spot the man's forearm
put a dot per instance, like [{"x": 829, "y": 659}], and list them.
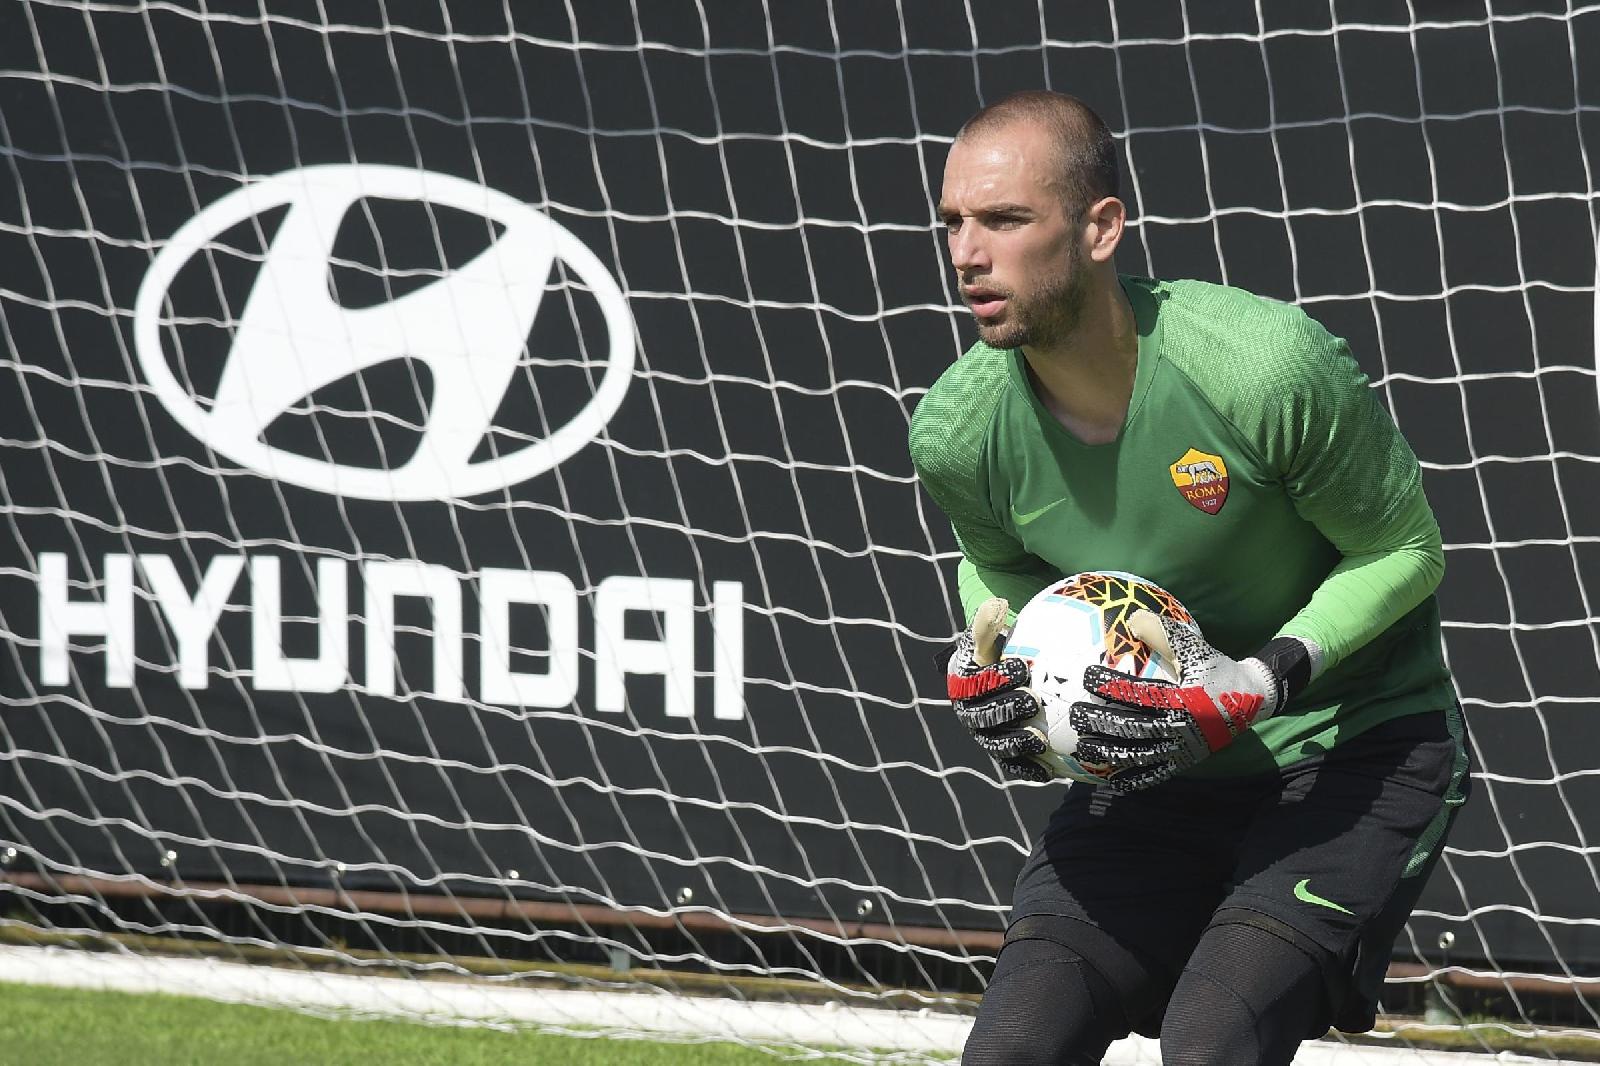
[
  {"x": 977, "y": 584},
  {"x": 1368, "y": 592}
]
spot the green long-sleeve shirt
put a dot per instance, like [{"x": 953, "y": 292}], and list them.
[{"x": 1256, "y": 478}]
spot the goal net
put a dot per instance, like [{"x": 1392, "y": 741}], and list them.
[{"x": 457, "y": 517}]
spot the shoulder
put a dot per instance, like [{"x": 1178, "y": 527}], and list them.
[
  {"x": 951, "y": 421},
  {"x": 1263, "y": 366},
  {"x": 1274, "y": 374},
  {"x": 1233, "y": 343}
]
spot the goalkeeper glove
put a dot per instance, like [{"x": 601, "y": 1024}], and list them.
[
  {"x": 1151, "y": 729},
  {"x": 990, "y": 695}
]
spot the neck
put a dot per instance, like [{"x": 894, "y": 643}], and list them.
[{"x": 1086, "y": 378}]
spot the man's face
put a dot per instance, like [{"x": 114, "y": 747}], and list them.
[{"x": 1016, "y": 251}]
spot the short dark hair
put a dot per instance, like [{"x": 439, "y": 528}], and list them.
[{"x": 1086, "y": 153}]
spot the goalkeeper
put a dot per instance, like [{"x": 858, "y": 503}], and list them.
[{"x": 1237, "y": 885}]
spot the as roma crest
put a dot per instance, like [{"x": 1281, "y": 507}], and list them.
[{"x": 1202, "y": 478}]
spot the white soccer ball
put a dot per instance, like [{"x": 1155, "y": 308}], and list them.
[{"x": 1073, "y": 623}]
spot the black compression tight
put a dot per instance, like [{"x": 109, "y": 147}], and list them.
[
  {"x": 1045, "y": 1006},
  {"x": 1246, "y": 997}
]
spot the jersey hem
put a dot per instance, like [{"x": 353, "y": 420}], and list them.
[{"x": 1272, "y": 760}]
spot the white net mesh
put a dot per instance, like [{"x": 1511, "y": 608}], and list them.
[{"x": 455, "y": 463}]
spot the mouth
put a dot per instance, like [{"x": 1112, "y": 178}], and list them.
[{"x": 985, "y": 303}]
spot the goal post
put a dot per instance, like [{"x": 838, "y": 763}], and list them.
[{"x": 458, "y": 518}]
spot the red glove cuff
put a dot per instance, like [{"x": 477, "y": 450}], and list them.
[
  {"x": 1007, "y": 673},
  {"x": 1216, "y": 727}
]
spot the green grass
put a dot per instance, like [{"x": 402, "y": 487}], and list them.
[{"x": 70, "y": 1027}]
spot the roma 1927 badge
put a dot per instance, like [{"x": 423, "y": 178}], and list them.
[{"x": 1202, "y": 478}]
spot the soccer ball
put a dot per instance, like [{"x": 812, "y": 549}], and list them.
[{"x": 1073, "y": 623}]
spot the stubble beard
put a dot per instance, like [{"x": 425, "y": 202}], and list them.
[{"x": 1044, "y": 315}]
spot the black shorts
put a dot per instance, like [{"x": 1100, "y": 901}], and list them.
[{"x": 1330, "y": 852}]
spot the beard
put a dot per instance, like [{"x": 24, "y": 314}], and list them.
[{"x": 1044, "y": 314}]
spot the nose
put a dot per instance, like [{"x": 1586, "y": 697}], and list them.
[{"x": 966, "y": 248}]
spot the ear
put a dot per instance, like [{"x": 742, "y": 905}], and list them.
[{"x": 1105, "y": 220}]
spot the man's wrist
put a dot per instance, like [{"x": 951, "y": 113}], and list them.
[{"x": 1292, "y": 662}]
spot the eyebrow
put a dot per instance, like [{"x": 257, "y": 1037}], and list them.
[{"x": 1005, "y": 208}]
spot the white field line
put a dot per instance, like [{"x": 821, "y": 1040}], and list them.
[
  {"x": 624, "y": 1013},
  {"x": 637, "y": 1013}
]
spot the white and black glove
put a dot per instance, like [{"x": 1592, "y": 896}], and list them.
[
  {"x": 1150, "y": 729},
  {"x": 991, "y": 697}
]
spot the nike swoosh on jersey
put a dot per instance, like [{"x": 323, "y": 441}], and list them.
[
  {"x": 1305, "y": 895},
  {"x": 1022, "y": 518}
]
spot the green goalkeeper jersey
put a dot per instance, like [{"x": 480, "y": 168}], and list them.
[{"x": 1256, "y": 478}]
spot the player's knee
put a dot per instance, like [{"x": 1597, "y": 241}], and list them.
[
  {"x": 1016, "y": 1041},
  {"x": 1206, "y": 1024},
  {"x": 1041, "y": 1008},
  {"x": 1248, "y": 996}
]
